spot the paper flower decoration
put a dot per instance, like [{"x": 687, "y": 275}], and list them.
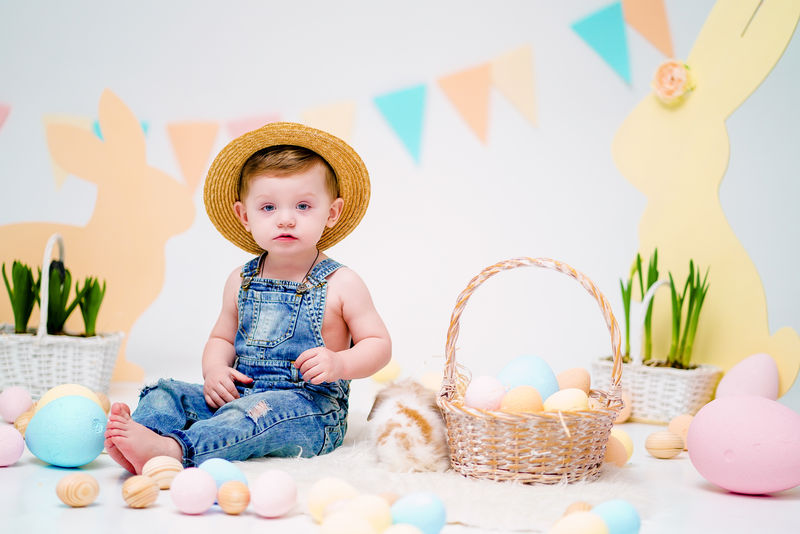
[{"x": 672, "y": 82}]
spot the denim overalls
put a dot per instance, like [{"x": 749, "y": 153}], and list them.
[{"x": 278, "y": 414}]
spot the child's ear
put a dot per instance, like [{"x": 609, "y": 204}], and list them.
[
  {"x": 335, "y": 212},
  {"x": 241, "y": 213}
]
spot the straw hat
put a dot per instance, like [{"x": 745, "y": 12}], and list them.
[{"x": 222, "y": 183}]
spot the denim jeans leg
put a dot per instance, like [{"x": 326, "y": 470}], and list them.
[{"x": 171, "y": 405}]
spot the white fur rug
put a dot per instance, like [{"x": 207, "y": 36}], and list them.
[{"x": 487, "y": 505}]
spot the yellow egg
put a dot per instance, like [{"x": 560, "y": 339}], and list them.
[
  {"x": 625, "y": 439},
  {"x": 567, "y": 400},
  {"x": 343, "y": 523},
  {"x": 233, "y": 497},
  {"x": 624, "y": 412},
  {"x": 140, "y": 491},
  {"x": 66, "y": 390},
  {"x": 104, "y": 402},
  {"x": 162, "y": 469},
  {"x": 580, "y": 523},
  {"x": 372, "y": 508},
  {"x": 616, "y": 453},
  {"x": 578, "y": 506},
  {"x": 21, "y": 422},
  {"x": 524, "y": 399},
  {"x": 679, "y": 425},
  {"x": 326, "y": 491},
  {"x": 77, "y": 490},
  {"x": 577, "y": 378},
  {"x": 390, "y": 371},
  {"x": 664, "y": 444}
]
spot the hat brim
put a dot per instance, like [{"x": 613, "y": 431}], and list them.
[{"x": 221, "y": 188}]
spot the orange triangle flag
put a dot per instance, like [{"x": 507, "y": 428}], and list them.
[
  {"x": 468, "y": 90},
  {"x": 649, "y": 17},
  {"x": 336, "y": 118},
  {"x": 192, "y": 143},
  {"x": 512, "y": 75}
]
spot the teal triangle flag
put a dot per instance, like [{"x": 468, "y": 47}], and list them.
[
  {"x": 99, "y": 133},
  {"x": 404, "y": 110},
  {"x": 604, "y": 31}
]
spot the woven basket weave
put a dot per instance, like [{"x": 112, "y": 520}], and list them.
[
  {"x": 39, "y": 362},
  {"x": 546, "y": 447}
]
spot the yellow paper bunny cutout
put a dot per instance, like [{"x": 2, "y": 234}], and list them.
[{"x": 677, "y": 156}]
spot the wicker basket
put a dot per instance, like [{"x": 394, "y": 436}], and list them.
[
  {"x": 658, "y": 394},
  {"x": 546, "y": 447},
  {"x": 41, "y": 361}
]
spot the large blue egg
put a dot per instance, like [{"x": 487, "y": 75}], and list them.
[
  {"x": 423, "y": 510},
  {"x": 222, "y": 471},
  {"x": 529, "y": 371},
  {"x": 620, "y": 516},
  {"x": 67, "y": 432}
]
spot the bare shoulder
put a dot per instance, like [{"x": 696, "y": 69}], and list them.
[{"x": 346, "y": 281}]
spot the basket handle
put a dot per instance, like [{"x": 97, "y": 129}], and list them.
[
  {"x": 449, "y": 382},
  {"x": 44, "y": 293}
]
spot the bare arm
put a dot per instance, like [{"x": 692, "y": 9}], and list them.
[
  {"x": 372, "y": 348},
  {"x": 219, "y": 354}
]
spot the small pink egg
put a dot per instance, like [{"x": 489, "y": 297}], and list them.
[
  {"x": 193, "y": 491},
  {"x": 14, "y": 401},
  {"x": 484, "y": 393},
  {"x": 273, "y": 493},
  {"x": 11, "y": 445}
]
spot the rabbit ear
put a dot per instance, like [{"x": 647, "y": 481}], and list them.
[
  {"x": 77, "y": 150},
  {"x": 739, "y": 44},
  {"x": 122, "y": 132}
]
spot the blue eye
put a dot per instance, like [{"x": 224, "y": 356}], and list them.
[
  {"x": 303, "y": 206},
  {"x": 268, "y": 207}
]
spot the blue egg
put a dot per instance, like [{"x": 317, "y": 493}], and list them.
[
  {"x": 423, "y": 510},
  {"x": 67, "y": 431},
  {"x": 529, "y": 371},
  {"x": 620, "y": 516},
  {"x": 222, "y": 471}
]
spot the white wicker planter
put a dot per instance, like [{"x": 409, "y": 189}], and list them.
[
  {"x": 40, "y": 361},
  {"x": 658, "y": 394}
]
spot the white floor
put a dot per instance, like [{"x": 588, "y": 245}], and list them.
[{"x": 677, "y": 498}]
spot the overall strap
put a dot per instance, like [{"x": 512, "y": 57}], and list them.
[
  {"x": 322, "y": 270},
  {"x": 250, "y": 269}
]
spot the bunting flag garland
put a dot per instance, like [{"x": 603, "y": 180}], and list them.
[
  {"x": 468, "y": 90},
  {"x": 59, "y": 174},
  {"x": 604, "y": 31},
  {"x": 99, "y": 133},
  {"x": 4, "y": 111},
  {"x": 192, "y": 143},
  {"x": 649, "y": 18},
  {"x": 241, "y": 126},
  {"x": 512, "y": 75},
  {"x": 404, "y": 111},
  {"x": 337, "y": 118}
]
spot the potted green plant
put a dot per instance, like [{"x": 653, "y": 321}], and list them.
[{"x": 23, "y": 292}]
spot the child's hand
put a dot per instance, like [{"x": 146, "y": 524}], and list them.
[
  {"x": 319, "y": 365},
  {"x": 219, "y": 387}
]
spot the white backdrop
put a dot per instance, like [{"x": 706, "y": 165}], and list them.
[{"x": 550, "y": 190}]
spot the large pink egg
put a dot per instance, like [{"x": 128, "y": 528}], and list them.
[
  {"x": 193, "y": 491},
  {"x": 12, "y": 445},
  {"x": 273, "y": 493},
  {"x": 14, "y": 401},
  {"x": 746, "y": 444},
  {"x": 485, "y": 393},
  {"x": 755, "y": 375}
]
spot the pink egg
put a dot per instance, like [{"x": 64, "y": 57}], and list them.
[
  {"x": 484, "y": 393},
  {"x": 11, "y": 445},
  {"x": 746, "y": 444},
  {"x": 14, "y": 401},
  {"x": 273, "y": 493},
  {"x": 755, "y": 375},
  {"x": 193, "y": 491}
]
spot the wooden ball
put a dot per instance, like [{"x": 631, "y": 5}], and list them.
[
  {"x": 78, "y": 490},
  {"x": 680, "y": 426},
  {"x": 162, "y": 469},
  {"x": 233, "y": 497},
  {"x": 578, "y": 506},
  {"x": 664, "y": 444},
  {"x": 21, "y": 422},
  {"x": 105, "y": 404},
  {"x": 140, "y": 491}
]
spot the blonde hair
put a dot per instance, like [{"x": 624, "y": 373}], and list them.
[{"x": 285, "y": 160}]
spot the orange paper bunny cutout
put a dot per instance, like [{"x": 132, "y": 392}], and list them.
[
  {"x": 138, "y": 208},
  {"x": 677, "y": 156}
]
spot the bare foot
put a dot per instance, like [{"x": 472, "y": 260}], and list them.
[{"x": 133, "y": 444}]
